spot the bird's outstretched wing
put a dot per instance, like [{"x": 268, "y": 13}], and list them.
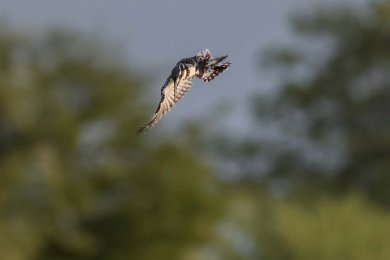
[
  {"x": 214, "y": 67},
  {"x": 215, "y": 71},
  {"x": 170, "y": 95}
]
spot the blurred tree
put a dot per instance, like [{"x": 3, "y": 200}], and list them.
[
  {"x": 258, "y": 225},
  {"x": 343, "y": 228},
  {"x": 329, "y": 123},
  {"x": 76, "y": 182},
  {"x": 324, "y": 133}
]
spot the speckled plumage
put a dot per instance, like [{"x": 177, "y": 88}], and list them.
[{"x": 202, "y": 66}]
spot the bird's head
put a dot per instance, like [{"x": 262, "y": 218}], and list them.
[{"x": 203, "y": 55}]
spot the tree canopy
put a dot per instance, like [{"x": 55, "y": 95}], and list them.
[{"x": 331, "y": 110}]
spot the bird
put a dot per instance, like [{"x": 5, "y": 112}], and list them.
[{"x": 203, "y": 66}]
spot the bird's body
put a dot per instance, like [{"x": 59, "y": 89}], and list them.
[{"x": 202, "y": 66}]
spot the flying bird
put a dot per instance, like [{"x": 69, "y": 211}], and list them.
[{"x": 202, "y": 66}]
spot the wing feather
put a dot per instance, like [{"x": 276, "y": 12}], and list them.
[
  {"x": 214, "y": 68},
  {"x": 170, "y": 95},
  {"x": 214, "y": 71}
]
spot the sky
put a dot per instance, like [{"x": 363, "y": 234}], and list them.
[{"x": 154, "y": 35}]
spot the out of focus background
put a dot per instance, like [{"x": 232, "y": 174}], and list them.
[{"x": 286, "y": 155}]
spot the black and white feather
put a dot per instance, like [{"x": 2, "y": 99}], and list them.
[{"x": 202, "y": 66}]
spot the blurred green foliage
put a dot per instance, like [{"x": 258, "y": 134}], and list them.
[
  {"x": 331, "y": 110},
  {"x": 346, "y": 228},
  {"x": 77, "y": 182},
  {"x": 258, "y": 225},
  {"x": 314, "y": 179}
]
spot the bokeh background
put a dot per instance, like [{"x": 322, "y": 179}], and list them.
[{"x": 284, "y": 156}]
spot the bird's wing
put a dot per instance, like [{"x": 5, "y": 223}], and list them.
[
  {"x": 214, "y": 68},
  {"x": 170, "y": 95}
]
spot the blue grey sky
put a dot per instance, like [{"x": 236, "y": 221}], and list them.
[{"x": 156, "y": 34}]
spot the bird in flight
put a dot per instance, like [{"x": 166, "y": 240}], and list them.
[{"x": 202, "y": 65}]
